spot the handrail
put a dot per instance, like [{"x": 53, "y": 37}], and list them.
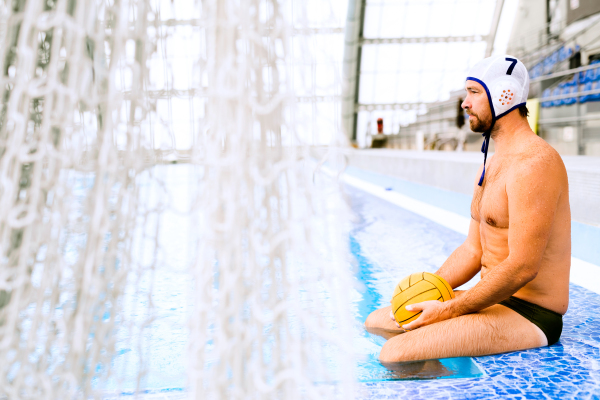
[
  {"x": 548, "y": 121},
  {"x": 563, "y": 73},
  {"x": 555, "y": 46},
  {"x": 543, "y": 30},
  {"x": 570, "y": 95}
]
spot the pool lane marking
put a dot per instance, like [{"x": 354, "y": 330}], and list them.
[
  {"x": 445, "y": 218},
  {"x": 583, "y": 273}
]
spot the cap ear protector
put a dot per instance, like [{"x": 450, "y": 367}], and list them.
[
  {"x": 507, "y": 89},
  {"x": 506, "y": 93}
]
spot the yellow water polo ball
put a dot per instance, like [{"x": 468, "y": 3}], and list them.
[{"x": 415, "y": 288}]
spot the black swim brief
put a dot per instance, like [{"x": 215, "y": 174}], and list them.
[{"x": 548, "y": 321}]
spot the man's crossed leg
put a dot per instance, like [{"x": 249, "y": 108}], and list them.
[{"x": 496, "y": 329}]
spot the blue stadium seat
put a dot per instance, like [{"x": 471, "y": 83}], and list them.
[
  {"x": 595, "y": 86},
  {"x": 574, "y": 80},
  {"x": 596, "y": 71},
  {"x": 591, "y": 74},
  {"x": 546, "y": 103},
  {"x": 548, "y": 65},
  {"x": 569, "y": 88},
  {"x": 569, "y": 52},
  {"x": 563, "y": 53},
  {"x": 587, "y": 76},
  {"x": 586, "y": 87},
  {"x": 540, "y": 69},
  {"x": 557, "y": 92},
  {"x": 536, "y": 71}
]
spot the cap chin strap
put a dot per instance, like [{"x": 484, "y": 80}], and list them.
[
  {"x": 486, "y": 135},
  {"x": 484, "y": 149}
]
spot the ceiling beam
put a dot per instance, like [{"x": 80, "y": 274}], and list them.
[
  {"x": 388, "y": 106},
  {"x": 434, "y": 39},
  {"x": 351, "y": 66},
  {"x": 200, "y": 22},
  {"x": 491, "y": 37}
]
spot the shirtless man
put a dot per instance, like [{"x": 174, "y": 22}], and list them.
[{"x": 519, "y": 238}]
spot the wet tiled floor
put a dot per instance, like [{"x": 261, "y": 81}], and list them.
[{"x": 569, "y": 369}]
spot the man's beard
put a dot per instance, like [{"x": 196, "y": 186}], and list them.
[{"x": 479, "y": 124}]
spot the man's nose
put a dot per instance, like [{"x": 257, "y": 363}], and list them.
[{"x": 465, "y": 105}]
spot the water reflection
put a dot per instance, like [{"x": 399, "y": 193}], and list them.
[{"x": 417, "y": 370}]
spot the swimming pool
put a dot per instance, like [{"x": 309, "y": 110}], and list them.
[
  {"x": 424, "y": 246},
  {"x": 389, "y": 242}
]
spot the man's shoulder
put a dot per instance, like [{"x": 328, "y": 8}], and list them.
[
  {"x": 539, "y": 161},
  {"x": 535, "y": 152}
]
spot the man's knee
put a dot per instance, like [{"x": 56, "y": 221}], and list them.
[
  {"x": 387, "y": 354},
  {"x": 371, "y": 321},
  {"x": 393, "y": 351},
  {"x": 377, "y": 319}
]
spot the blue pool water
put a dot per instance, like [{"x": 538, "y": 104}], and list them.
[{"x": 387, "y": 243}]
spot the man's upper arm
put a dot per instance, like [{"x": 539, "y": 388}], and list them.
[
  {"x": 533, "y": 190},
  {"x": 473, "y": 241}
]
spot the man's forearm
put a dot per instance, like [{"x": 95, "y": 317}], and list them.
[
  {"x": 462, "y": 265},
  {"x": 498, "y": 284}
]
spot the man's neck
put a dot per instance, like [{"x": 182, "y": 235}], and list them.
[{"x": 509, "y": 132}]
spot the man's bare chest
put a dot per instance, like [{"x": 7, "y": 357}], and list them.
[{"x": 490, "y": 202}]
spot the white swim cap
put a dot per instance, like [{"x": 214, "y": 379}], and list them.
[{"x": 506, "y": 82}]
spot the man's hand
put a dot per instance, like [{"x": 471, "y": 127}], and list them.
[
  {"x": 432, "y": 311},
  {"x": 396, "y": 322}
]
